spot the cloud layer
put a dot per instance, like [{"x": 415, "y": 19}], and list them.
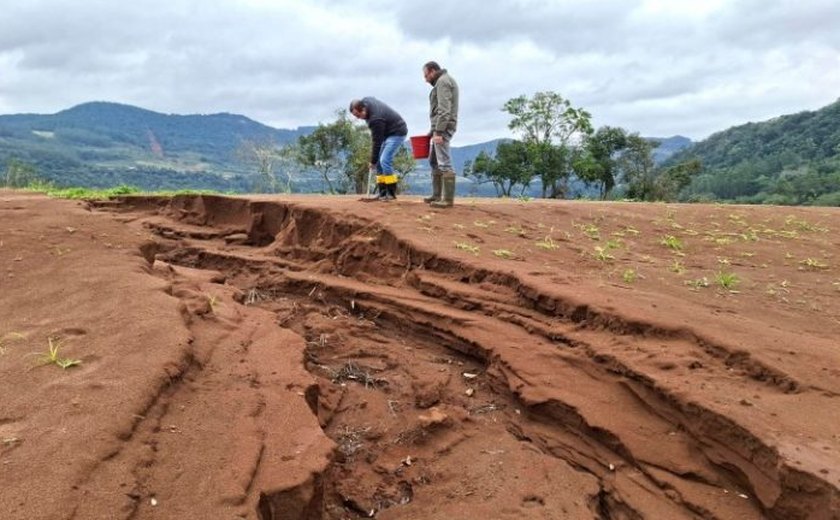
[{"x": 659, "y": 67}]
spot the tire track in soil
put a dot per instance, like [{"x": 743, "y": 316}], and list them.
[{"x": 454, "y": 392}]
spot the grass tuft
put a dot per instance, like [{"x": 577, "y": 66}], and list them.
[
  {"x": 52, "y": 357},
  {"x": 672, "y": 242},
  {"x": 727, "y": 280}
]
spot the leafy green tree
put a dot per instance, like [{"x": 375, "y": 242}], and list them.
[
  {"x": 512, "y": 166},
  {"x": 675, "y": 178},
  {"x": 547, "y": 122},
  {"x": 333, "y": 151},
  {"x": 598, "y": 161},
  {"x": 636, "y": 163},
  {"x": 827, "y": 199}
]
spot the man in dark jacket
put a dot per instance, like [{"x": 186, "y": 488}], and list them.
[
  {"x": 443, "y": 114},
  {"x": 387, "y": 133}
]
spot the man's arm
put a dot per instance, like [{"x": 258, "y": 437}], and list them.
[
  {"x": 444, "y": 108},
  {"x": 377, "y": 136}
]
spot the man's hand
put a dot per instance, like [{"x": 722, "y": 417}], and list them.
[{"x": 437, "y": 139}]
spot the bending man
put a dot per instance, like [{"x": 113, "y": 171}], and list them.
[{"x": 387, "y": 133}]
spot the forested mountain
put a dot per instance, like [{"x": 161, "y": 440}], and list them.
[
  {"x": 791, "y": 159},
  {"x": 103, "y": 144}
]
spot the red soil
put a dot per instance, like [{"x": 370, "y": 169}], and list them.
[{"x": 315, "y": 357}]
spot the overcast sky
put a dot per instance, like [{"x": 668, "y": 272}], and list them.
[{"x": 658, "y": 67}]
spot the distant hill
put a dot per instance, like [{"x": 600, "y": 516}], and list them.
[
  {"x": 791, "y": 159},
  {"x": 100, "y": 144},
  {"x": 668, "y": 146}
]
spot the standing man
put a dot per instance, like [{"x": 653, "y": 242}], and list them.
[
  {"x": 387, "y": 133},
  {"x": 443, "y": 113}
]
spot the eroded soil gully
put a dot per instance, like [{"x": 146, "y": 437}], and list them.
[{"x": 452, "y": 390}]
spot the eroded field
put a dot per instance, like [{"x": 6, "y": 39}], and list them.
[{"x": 315, "y": 357}]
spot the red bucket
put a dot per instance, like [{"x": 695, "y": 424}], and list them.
[{"x": 420, "y": 146}]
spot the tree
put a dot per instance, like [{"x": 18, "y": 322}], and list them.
[
  {"x": 675, "y": 178},
  {"x": 512, "y": 166},
  {"x": 357, "y": 167},
  {"x": 264, "y": 156},
  {"x": 329, "y": 150},
  {"x": 404, "y": 165},
  {"x": 637, "y": 165},
  {"x": 597, "y": 162},
  {"x": 20, "y": 174},
  {"x": 547, "y": 122}
]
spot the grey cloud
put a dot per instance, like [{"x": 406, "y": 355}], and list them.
[
  {"x": 763, "y": 25},
  {"x": 646, "y": 67},
  {"x": 563, "y": 26}
]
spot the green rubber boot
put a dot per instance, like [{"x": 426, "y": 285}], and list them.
[
  {"x": 436, "y": 187},
  {"x": 448, "y": 191}
]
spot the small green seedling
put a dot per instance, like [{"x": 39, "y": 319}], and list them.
[
  {"x": 214, "y": 302},
  {"x": 614, "y": 243},
  {"x": 672, "y": 242},
  {"x": 629, "y": 275},
  {"x": 726, "y": 280},
  {"x": 504, "y": 253},
  {"x": 602, "y": 254},
  {"x": 52, "y": 357},
  {"x": 592, "y": 231}
]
